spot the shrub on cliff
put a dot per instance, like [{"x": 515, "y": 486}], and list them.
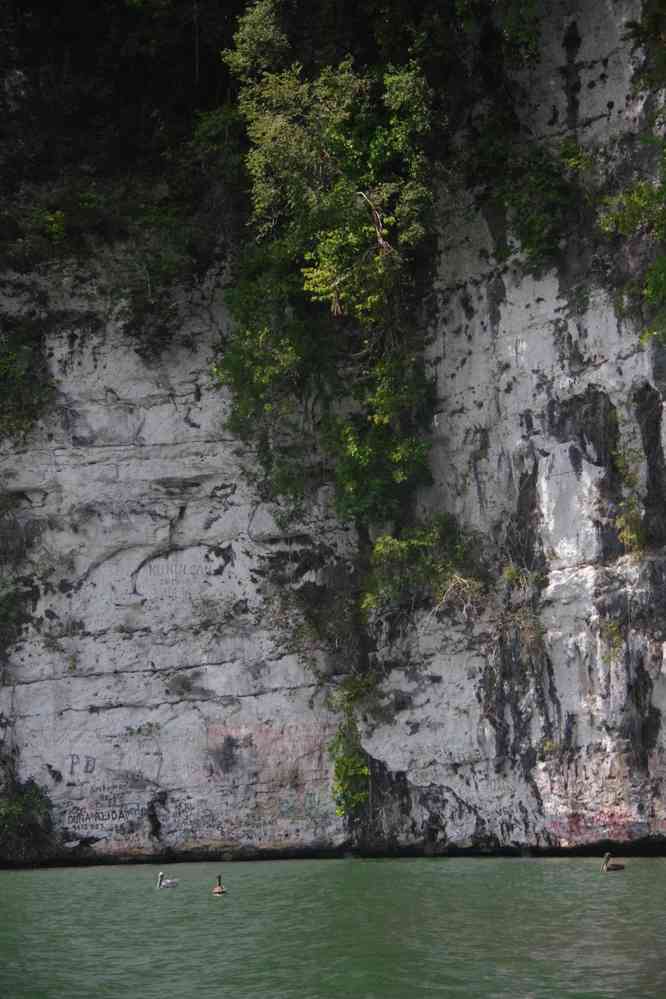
[
  {"x": 323, "y": 297},
  {"x": 26, "y": 827}
]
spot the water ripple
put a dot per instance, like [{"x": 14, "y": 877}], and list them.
[{"x": 390, "y": 929}]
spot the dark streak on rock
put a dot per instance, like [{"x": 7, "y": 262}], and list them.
[
  {"x": 642, "y": 721},
  {"x": 571, "y": 44},
  {"x": 226, "y": 757},
  {"x": 648, "y": 403},
  {"x": 159, "y": 799}
]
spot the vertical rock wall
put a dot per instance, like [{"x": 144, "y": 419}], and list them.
[
  {"x": 160, "y": 678},
  {"x": 156, "y": 689},
  {"x": 538, "y": 720}
]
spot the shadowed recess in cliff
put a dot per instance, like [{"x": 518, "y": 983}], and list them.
[
  {"x": 588, "y": 420},
  {"x": 520, "y": 665},
  {"x": 648, "y": 405},
  {"x": 642, "y": 722}
]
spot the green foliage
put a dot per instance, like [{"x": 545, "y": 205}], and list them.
[
  {"x": 523, "y": 623},
  {"x": 51, "y": 225},
  {"x": 351, "y": 773},
  {"x": 655, "y": 286},
  {"x": 519, "y": 23},
  {"x": 517, "y": 20},
  {"x": 338, "y": 178},
  {"x": 11, "y": 616},
  {"x": 641, "y": 209},
  {"x": 124, "y": 142},
  {"x": 142, "y": 232},
  {"x": 521, "y": 579},
  {"x": 145, "y": 729},
  {"x": 649, "y": 34},
  {"x": 515, "y": 575},
  {"x": 142, "y": 269},
  {"x": 379, "y": 457},
  {"x": 25, "y": 820},
  {"x": 259, "y": 43},
  {"x": 538, "y": 188},
  {"x": 340, "y": 201},
  {"x": 37, "y": 231},
  {"x": 156, "y": 7},
  {"x": 548, "y": 747},
  {"x": 215, "y": 149},
  {"x": 578, "y": 161},
  {"x": 538, "y": 195},
  {"x": 631, "y": 530},
  {"x": 110, "y": 86},
  {"x": 438, "y": 562},
  {"x": 627, "y": 463},
  {"x": 113, "y": 145},
  {"x": 27, "y": 806},
  {"x": 25, "y": 386},
  {"x": 610, "y": 633},
  {"x": 654, "y": 295},
  {"x": 16, "y": 598},
  {"x": 63, "y": 218}
]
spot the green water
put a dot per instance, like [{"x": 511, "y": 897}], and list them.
[{"x": 377, "y": 929}]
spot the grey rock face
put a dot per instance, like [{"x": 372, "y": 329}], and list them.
[
  {"x": 162, "y": 683},
  {"x": 541, "y": 725},
  {"x": 155, "y": 691}
]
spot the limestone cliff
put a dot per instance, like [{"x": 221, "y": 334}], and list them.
[{"x": 161, "y": 677}]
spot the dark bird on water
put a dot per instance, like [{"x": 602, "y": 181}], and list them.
[{"x": 610, "y": 865}]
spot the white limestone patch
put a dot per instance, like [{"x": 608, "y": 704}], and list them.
[
  {"x": 567, "y": 500},
  {"x": 583, "y": 80}
]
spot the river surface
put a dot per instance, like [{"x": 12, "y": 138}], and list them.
[{"x": 337, "y": 929}]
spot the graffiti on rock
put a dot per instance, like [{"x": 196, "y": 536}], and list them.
[{"x": 89, "y": 763}]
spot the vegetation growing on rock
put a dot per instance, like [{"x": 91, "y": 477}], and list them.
[
  {"x": 331, "y": 139},
  {"x": 25, "y": 384},
  {"x": 638, "y": 209},
  {"x": 438, "y": 562},
  {"x": 351, "y": 770},
  {"x": 349, "y": 138},
  {"x": 25, "y": 817}
]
